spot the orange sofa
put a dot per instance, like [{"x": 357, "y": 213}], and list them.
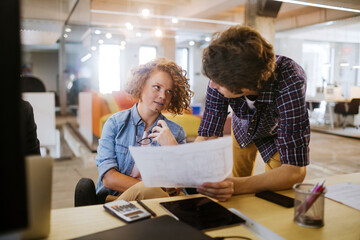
[{"x": 104, "y": 105}]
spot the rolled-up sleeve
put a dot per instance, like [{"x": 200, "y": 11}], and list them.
[
  {"x": 106, "y": 157},
  {"x": 214, "y": 117},
  {"x": 294, "y": 129}
]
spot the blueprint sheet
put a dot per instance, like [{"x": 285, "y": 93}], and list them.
[{"x": 185, "y": 165}]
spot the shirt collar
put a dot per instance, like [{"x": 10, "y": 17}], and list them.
[
  {"x": 267, "y": 94},
  {"x": 135, "y": 115}
]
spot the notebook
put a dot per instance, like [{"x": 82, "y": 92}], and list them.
[
  {"x": 202, "y": 213},
  {"x": 159, "y": 228}
]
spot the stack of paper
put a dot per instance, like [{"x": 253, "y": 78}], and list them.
[
  {"x": 185, "y": 165},
  {"x": 347, "y": 193}
]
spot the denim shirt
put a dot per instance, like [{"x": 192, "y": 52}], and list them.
[{"x": 121, "y": 131}]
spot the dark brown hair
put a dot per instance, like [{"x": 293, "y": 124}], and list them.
[
  {"x": 181, "y": 97},
  {"x": 239, "y": 58}
]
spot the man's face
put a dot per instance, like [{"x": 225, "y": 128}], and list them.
[{"x": 229, "y": 94}]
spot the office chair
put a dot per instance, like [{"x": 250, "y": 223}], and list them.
[
  {"x": 31, "y": 84},
  {"x": 348, "y": 109},
  {"x": 85, "y": 193}
]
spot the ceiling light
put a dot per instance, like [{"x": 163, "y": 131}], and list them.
[
  {"x": 129, "y": 26},
  {"x": 320, "y": 5},
  {"x": 191, "y": 43},
  {"x": 101, "y": 41},
  {"x": 145, "y": 12},
  {"x": 208, "y": 39},
  {"x": 93, "y": 48},
  {"x": 174, "y": 20},
  {"x": 344, "y": 64},
  {"x": 138, "y": 34},
  {"x": 122, "y": 43},
  {"x": 68, "y": 29},
  {"x": 66, "y": 36},
  {"x": 356, "y": 66},
  {"x": 158, "y": 33},
  {"x": 97, "y": 32},
  {"x": 86, "y": 57},
  {"x": 108, "y": 35}
]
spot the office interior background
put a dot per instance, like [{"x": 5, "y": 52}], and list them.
[{"x": 76, "y": 54}]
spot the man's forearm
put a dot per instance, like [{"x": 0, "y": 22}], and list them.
[
  {"x": 201, "y": 138},
  {"x": 280, "y": 178}
]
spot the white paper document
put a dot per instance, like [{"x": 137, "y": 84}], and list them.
[
  {"x": 185, "y": 165},
  {"x": 346, "y": 193}
]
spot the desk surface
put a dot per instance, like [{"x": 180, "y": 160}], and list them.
[{"x": 341, "y": 221}]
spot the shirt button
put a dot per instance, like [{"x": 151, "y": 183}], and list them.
[
  {"x": 250, "y": 128},
  {"x": 252, "y": 120},
  {"x": 242, "y": 145},
  {"x": 249, "y": 134}
]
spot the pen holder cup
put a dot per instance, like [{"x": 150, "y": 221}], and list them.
[{"x": 309, "y": 207}]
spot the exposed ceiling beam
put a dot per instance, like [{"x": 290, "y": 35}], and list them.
[{"x": 344, "y": 5}]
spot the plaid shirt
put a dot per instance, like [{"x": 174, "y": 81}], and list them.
[{"x": 280, "y": 122}]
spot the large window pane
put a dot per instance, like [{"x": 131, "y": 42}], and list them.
[{"x": 109, "y": 68}]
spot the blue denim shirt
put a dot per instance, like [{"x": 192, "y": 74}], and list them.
[{"x": 119, "y": 132}]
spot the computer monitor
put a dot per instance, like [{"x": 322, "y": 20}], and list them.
[{"x": 13, "y": 207}]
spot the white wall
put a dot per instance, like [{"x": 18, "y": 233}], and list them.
[
  {"x": 288, "y": 47},
  {"x": 199, "y": 81},
  {"x": 44, "y": 66}
]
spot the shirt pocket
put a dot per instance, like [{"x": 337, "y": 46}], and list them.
[{"x": 121, "y": 155}]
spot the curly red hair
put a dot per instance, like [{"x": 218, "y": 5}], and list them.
[{"x": 182, "y": 94}]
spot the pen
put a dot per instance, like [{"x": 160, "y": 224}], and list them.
[
  {"x": 318, "y": 189},
  {"x": 146, "y": 208}
]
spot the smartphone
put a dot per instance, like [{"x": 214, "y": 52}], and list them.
[{"x": 277, "y": 198}]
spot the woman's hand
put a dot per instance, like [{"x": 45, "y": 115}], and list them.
[
  {"x": 162, "y": 134},
  {"x": 221, "y": 191}
]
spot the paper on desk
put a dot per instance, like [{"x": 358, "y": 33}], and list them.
[
  {"x": 347, "y": 193},
  {"x": 185, "y": 165}
]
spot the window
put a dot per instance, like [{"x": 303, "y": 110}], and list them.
[
  {"x": 109, "y": 68},
  {"x": 182, "y": 58},
  {"x": 316, "y": 62},
  {"x": 146, "y": 54}
]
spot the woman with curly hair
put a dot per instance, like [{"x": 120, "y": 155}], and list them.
[{"x": 159, "y": 85}]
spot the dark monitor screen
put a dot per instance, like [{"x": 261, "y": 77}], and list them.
[
  {"x": 13, "y": 207},
  {"x": 202, "y": 213}
]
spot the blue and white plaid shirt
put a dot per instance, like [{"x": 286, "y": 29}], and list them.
[{"x": 280, "y": 122}]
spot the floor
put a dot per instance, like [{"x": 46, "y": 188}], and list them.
[{"x": 329, "y": 155}]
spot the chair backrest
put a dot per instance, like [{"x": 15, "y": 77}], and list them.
[
  {"x": 340, "y": 108},
  {"x": 354, "y": 106},
  {"x": 31, "y": 84}
]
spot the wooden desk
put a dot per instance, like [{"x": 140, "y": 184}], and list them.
[{"x": 341, "y": 222}]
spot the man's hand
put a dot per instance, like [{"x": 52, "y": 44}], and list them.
[
  {"x": 221, "y": 191},
  {"x": 172, "y": 191}
]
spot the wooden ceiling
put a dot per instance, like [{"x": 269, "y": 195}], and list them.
[{"x": 197, "y": 18}]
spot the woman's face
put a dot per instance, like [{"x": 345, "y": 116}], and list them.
[{"x": 157, "y": 92}]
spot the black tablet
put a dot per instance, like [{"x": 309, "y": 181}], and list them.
[{"x": 202, "y": 213}]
